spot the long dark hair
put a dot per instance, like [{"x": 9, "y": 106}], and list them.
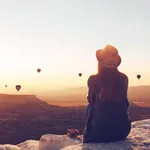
[
  {"x": 101, "y": 69},
  {"x": 108, "y": 83}
]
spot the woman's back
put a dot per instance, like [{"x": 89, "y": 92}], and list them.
[{"x": 108, "y": 120}]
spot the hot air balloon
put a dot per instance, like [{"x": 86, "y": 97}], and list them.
[
  {"x": 5, "y": 85},
  {"x": 138, "y": 76},
  {"x": 18, "y": 87},
  {"x": 38, "y": 70},
  {"x": 80, "y": 74}
]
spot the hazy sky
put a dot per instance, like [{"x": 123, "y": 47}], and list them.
[{"x": 61, "y": 37}]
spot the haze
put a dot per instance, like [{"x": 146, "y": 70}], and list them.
[{"x": 61, "y": 38}]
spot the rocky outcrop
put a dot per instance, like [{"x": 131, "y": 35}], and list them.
[
  {"x": 139, "y": 139},
  {"x": 22, "y": 104}
]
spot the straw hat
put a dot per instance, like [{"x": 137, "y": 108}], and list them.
[{"x": 108, "y": 56}]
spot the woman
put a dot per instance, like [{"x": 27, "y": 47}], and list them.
[{"x": 108, "y": 117}]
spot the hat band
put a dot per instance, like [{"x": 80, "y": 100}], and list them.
[
  {"x": 111, "y": 65},
  {"x": 108, "y": 66}
]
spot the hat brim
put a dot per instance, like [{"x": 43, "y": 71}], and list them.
[{"x": 99, "y": 54}]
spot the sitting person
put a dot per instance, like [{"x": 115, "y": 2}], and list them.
[{"x": 108, "y": 117}]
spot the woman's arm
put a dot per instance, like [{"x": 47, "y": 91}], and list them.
[{"x": 90, "y": 95}]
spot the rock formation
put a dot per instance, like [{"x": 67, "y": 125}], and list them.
[{"x": 138, "y": 139}]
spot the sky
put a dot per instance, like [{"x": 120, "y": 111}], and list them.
[{"x": 62, "y": 36}]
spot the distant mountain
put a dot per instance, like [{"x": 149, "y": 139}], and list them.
[
  {"x": 139, "y": 94},
  {"x": 22, "y": 104},
  {"x": 134, "y": 92}
]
